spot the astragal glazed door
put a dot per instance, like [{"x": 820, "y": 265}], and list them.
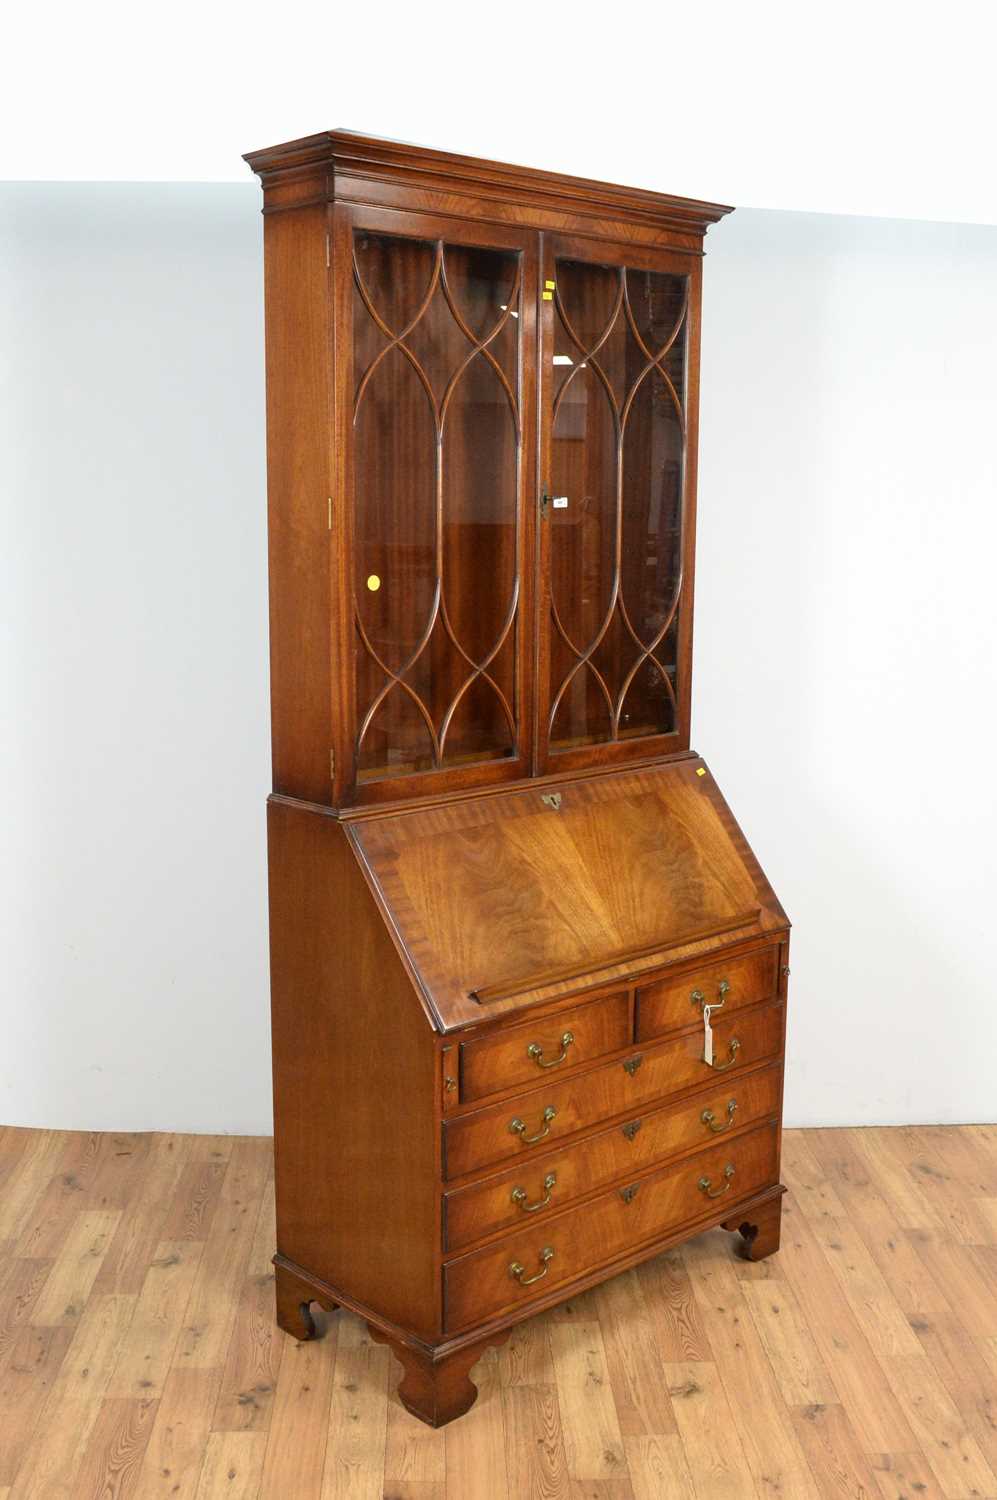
[
  {"x": 436, "y": 337},
  {"x": 619, "y": 368}
]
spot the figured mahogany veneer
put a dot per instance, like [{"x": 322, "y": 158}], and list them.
[
  {"x": 555, "y": 1111},
  {"x": 672, "y": 1003},
  {"x": 527, "y": 1054},
  {"x": 479, "y": 1286},
  {"x": 502, "y": 887},
  {"x": 622, "y": 1150}
]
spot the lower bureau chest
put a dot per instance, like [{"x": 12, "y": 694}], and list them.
[{"x": 538, "y": 1257}]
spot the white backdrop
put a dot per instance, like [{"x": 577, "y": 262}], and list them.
[
  {"x": 884, "y": 108},
  {"x": 845, "y": 690}
]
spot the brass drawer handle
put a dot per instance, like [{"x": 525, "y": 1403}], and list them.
[
  {"x": 518, "y": 1127},
  {"x": 720, "y": 1067},
  {"x": 516, "y": 1270},
  {"x": 709, "y": 1119},
  {"x": 519, "y": 1195},
  {"x": 723, "y": 990},
  {"x": 633, "y": 1063},
  {"x": 704, "y": 1183},
  {"x": 535, "y": 1051}
]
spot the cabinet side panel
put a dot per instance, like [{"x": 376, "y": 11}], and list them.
[
  {"x": 354, "y": 1069},
  {"x": 299, "y": 345}
]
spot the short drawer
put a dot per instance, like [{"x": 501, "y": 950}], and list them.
[
  {"x": 536, "y": 1259},
  {"x": 524, "y": 1054},
  {"x": 671, "y": 1004},
  {"x": 536, "y": 1189},
  {"x": 521, "y": 1126}
]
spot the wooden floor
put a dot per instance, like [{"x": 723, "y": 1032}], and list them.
[{"x": 138, "y": 1356}]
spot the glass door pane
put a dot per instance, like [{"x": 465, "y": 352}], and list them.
[
  {"x": 437, "y": 456},
  {"x": 617, "y": 454}
]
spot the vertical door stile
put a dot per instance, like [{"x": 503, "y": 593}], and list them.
[{"x": 343, "y": 686}]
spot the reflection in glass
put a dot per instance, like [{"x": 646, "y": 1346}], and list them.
[
  {"x": 436, "y": 474},
  {"x": 618, "y": 452}
]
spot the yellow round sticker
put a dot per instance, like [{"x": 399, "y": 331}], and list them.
[{"x": 373, "y": 583}]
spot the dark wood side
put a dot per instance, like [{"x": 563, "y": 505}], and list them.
[
  {"x": 298, "y": 349},
  {"x": 354, "y": 1082}
]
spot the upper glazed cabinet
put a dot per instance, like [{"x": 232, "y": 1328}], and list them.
[{"x": 511, "y": 473}]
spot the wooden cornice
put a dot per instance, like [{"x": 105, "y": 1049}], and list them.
[{"x": 339, "y": 165}]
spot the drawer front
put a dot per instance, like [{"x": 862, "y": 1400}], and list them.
[
  {"x": 534, "y": 1190},
  {"x": 526, "y": 1054},
  {"x": 535, "y": 1259},
  {"x": 671, "y": 1004},
  {"x": 520, "y": 1127}
]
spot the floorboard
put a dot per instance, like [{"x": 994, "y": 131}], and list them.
[{"x": 139, "y": 1359}]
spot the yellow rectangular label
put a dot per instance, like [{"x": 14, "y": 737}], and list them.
[
  {"x": 548, "y": 296},
  {"x": 700, "y": 771},
  {"x": 550, "y": 285}
]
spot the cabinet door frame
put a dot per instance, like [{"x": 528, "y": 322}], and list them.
[
  {"x": 345, "y": 218},
  {"x": 640, "y": 747}
]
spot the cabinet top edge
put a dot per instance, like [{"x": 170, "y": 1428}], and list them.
[{"x": 345, "y": 152}]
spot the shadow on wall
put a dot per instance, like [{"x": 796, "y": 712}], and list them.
[
  {"x": 846, "y": 690},
  {"x": 134, "y": 584}
]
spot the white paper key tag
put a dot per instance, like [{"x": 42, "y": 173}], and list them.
[{"x": 707, "y": 1036}]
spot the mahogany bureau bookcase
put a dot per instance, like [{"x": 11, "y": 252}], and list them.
[{"x": 529, "y": 981}]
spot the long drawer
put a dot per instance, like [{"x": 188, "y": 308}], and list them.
[
  {"x": 671, "y": 1004},
  {"x": 517, "y": 1127},
  {"x": 535, "y": 1259},
  {"x": 534, "y": 1190}
]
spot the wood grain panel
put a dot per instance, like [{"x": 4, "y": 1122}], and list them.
[
  {"x": 668, "y": 1005},
  {"x": 503, "y": 1059},
  {"x": 624, "y": 1150},
  {"x": 299, "y": 439},
  {"x": 626, "y": 867},
  {"x": 356, "y": 1179},
  {"x": 480, "y": 1286},
  {"x": 650, "y": 1075}
]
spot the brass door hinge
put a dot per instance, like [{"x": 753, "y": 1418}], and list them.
[
  {"x": 330, "y": 512},
  {"x": 332, "y": 765}
]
